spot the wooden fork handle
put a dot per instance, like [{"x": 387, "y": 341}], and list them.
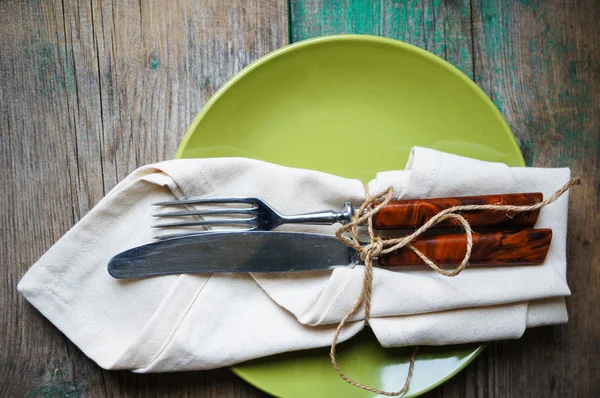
[
  {"x": 526, "y": 247},
  {"x": 414, "y": 213}
]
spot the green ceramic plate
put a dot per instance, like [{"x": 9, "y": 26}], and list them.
[{"x": 350, "y": 105}]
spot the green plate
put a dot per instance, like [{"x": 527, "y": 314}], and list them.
[{"x": 350, "y": 105}]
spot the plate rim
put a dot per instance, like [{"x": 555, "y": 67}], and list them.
[
  {"x": 341, "y": 38},
  {"x": 353, "y": 38},
  {"x": 438, "y": 383}
]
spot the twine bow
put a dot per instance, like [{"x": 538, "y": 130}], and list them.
[{"x": 378, "y": 246}]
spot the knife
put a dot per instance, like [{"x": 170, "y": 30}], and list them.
[{"x": 268, "y": 251}]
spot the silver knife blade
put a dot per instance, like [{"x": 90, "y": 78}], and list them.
[{"x": 248, "y": 251}]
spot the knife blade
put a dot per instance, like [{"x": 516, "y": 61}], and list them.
[{"x": 268, "y": 251}]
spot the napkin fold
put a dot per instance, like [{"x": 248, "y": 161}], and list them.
[{"x": 204, "y": 321}]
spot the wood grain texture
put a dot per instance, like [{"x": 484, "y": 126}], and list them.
[
  {"x": 403, "y": 214},
  {"x": 442, "y": 27},
  {"x": 539, "y": 61},
  {"x": 90, "y": 91},
  {"x": 526, "y": 247}
]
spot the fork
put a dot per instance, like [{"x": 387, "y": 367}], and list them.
[{"x": 400, "y": 214}]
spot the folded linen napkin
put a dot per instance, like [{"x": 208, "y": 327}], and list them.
[{"x": 190, "y": 322}]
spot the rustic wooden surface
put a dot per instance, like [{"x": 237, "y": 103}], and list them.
[{"x": 91, "y": 90}]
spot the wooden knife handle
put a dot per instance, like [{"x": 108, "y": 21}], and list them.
[
  {"x": 414, "y": 213},
  {"x": 526, "y": 247}
]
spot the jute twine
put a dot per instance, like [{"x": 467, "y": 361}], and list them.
[{"x": 378, "y": 246}]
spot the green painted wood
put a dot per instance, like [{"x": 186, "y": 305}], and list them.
[
  {"x": 442, "y": 27},
  {"x": 539, "y": 61}
]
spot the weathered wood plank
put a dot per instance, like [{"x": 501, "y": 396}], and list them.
[
  {"x": 90, "y": 91},
  {"x": 539, "y": 61},
  {"x": 442, "y": 27}
]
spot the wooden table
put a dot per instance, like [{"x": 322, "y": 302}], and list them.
[{"x": 91, "y": 90}]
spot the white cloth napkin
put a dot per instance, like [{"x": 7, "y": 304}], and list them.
[{"x": 188, "y": 322}]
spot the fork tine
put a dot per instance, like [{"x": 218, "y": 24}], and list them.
[
  {"x": 182, "y": 234},
  {"x": 197, "y": 201},
  {"x": 233, "y": 221},
  {"x": 205, "y": 212}
]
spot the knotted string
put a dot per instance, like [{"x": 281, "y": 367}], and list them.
[{"x": 378, "y": 246}]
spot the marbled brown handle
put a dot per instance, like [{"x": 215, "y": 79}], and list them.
[
  {"x": 526, "y": 247},
  {"x": 414, "y": 213}
]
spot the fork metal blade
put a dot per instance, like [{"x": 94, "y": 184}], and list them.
[
  {"x": 255, "y": 251},
  {"x": 206, "y": 212},
  {"x": 208, "y": 231},
  {"x": 232, "y": 221},
  {"x": 198, "y": 201}
]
